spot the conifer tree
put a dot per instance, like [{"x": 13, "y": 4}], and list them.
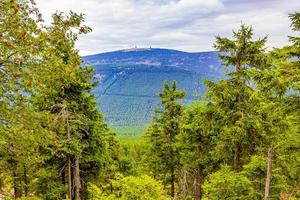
[
  {"x": 52, "y": 129},
  {"x": 22, "y": 127},
  {"x": 161, "y": 135},
  {"x": 63, "y": 89},
  {"x": 235, "y": 99},
  {"x": 254, "y": 117},
  {"x": 280, "y": 83},
  {"x": 196, "y": 144}
]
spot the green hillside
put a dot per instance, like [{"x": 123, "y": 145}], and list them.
[{"x": 127, "y": 90}]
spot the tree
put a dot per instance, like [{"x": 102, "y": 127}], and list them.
[
  {"x": 236, "y": 100},
  {"x": 131, "y": 187},
  {"x": 64, "y": 87},
  {"x": 280, "y": 84},
  {"x": 196, "y": 144},
  {"x": 227, "y": 184},
  {"x": 49, "y": 117},
  {"x": 161, "y": 135},
  {"x": 256, "y": 173},
  {"x": 21, "y": 125}
]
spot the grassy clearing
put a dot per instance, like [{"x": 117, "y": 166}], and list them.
[{"x": 130, "y": 133}]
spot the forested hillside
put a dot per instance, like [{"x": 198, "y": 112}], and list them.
[
  {"x": 240, "y": 141},
  {"x": 130, "y": 80}
]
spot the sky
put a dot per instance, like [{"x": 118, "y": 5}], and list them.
[{"x": 186, "y": 25}]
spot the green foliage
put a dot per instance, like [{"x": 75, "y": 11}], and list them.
[
  {"x": 255, "y": 171},
  {"x": 49, "y": 117},
  {"x": 196, "y": 143},
  {"x": 131, "y": 156},
  {"x": 48, "y": 186},
  {"x": 24, "y": 198},
  {"x": 246, "y": 122},
  {"x": 131, "y": 188},
  {"x": 196, "y": 140},
  {"x": 243, "y": 51},
  {"x": 52, "y": 135},
  {"x": 227, "y": 184},
  {"x": 161, "y": 136}
]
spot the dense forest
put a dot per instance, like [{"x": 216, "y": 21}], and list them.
[{"x": 241, "y": 141}]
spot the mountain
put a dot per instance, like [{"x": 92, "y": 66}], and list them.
[{"x": 130, "y": 79}]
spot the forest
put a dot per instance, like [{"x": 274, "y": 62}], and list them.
[{"x": 241, "y": 141}]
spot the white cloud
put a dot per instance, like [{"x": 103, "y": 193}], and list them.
[{"x": 188, "y": 25}]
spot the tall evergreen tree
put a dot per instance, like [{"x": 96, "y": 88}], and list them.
[
  {"x": 253, "y": 118},
  {"x": 196, "y": 144},
  {"x": 63, "y": 89},
  {"x": 236, "y": 100},
  {"x": 52, "y": 129},
  {"x": 161, "y": 135},
  {"x": 280, "y": 84}
]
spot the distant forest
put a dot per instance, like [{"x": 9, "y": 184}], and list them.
[{"x": 240, "y": 142}]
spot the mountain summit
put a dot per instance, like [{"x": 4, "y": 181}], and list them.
[
  {"x": 130, "y": 79},
  {"x": 157, "y": 57}
]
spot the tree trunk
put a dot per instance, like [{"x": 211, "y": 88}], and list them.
[
  {"x": 184, "y": 183},
  {"x": 77, "y": 179},
  {"x": 111, "y": 187},
  {"x": 197, "y": 185},
  {"x": 70, "y": 179},
  {"x": 25, "y": 179},
  {"x": 269, "y": 169},
  {"x": 237, "y": 157},
  {"x": 63, "y": 172},
  {"x": 17, "y": 188},
  {"x": 70, "y": 174},
  {"x": 172, "y": 182},
  {"x": 238, "y": 63}
]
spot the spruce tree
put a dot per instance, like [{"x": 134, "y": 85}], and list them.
[
  {"x": 196, "y": 144},
  {"x": 279, "y": 83},
  {"x": 253, "y": 117},
  {"x": 161, "y": 136},
  {"x": 235, "y": 99},
  {"x": 51, "y": 129}
]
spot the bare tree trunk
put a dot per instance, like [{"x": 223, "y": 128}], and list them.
[
  {"x": 184, "y": 183},
  {"x": 238, "y": 63},
  {"x": 197, "y": 185},
  {"x": 77, "y": 179},
  {"x": 65, "y": 116},
  {"x": 111, "y": 187},
  {"x": 269, "y": 169}
]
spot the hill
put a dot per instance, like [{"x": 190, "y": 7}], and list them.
[{"x": 130, "y": 79}]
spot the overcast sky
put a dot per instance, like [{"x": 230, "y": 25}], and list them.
[{"x": 187, "y": 25}]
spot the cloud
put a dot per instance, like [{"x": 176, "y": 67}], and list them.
[{"x": 188, "y": 25}]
